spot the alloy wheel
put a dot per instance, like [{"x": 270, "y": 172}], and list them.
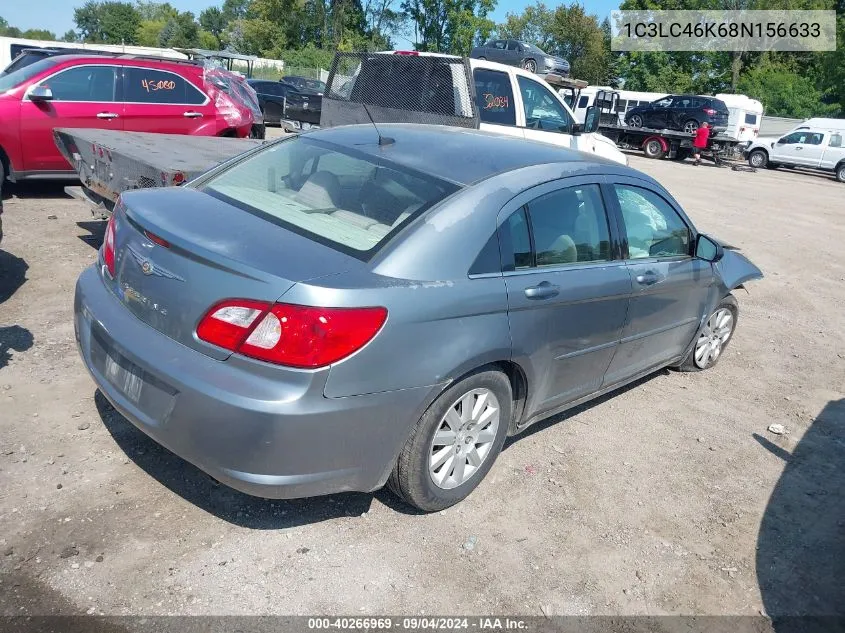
[
  {"x": 464, "y": 438},
  {"x": 713, "y": 338},
  {"x": 691, "y": 127}
]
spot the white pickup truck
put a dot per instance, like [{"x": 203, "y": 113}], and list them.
[{"x": 812, "y": 147}]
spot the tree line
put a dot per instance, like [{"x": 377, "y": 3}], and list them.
[{"x": 307, "y": 32}]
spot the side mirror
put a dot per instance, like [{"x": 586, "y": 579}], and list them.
[
  {"x": 40, "y": 93},
  {"x": 591, "y": 119},
  {"x": 708, "y": 249}
]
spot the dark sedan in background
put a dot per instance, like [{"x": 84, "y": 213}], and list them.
[
  {"x": 283, "y": 101},
  {"x": 680, "y": 112},
  {"x": 523, "y": 55}
]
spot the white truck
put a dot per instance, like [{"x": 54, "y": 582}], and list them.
[{"x": 814, "y": 148}]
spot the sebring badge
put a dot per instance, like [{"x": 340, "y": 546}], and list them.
[{"x": 149, "y": 268}]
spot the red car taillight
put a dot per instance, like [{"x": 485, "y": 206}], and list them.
[
  {"x": 709, "y": 111},
  {"x": 287, "y": 334},
  {"x": 108, "y": 246}
]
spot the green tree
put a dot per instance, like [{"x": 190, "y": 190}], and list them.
[
  {"x": 8, "y": 31},
  {"x": 70, "y": 36},
  {"x": 449, "y": 26},
  {"x": 213, "y": 21},
  {"x": 156, "y": 11},
  {"x": 784, "y": 92},
  {"x": 180, "y": 31},
  {"x": 108, "y": 22},
  {"x": 39, "y": 34},
  {"x": 149, "y": 32},
  {"x": 235, "y": 9},
  {"x": 533, "y": 25}
]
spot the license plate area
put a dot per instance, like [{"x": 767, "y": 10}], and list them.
[
  {"x": 125, "y": 376},
  {"x": 147, "y": 393}
]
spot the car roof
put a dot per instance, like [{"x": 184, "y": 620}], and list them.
[
  {"x": 125, "y": 60},
  {"x": 459, "y": 155}
]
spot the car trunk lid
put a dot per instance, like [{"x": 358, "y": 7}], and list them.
[{"x": 179, "y": 251}]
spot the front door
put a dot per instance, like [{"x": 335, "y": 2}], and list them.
[
  {"x": 670, "y": 286},
  {"x": 82, "y": 96},
  {"x": 546, "y": 118},
  {"x": 567, "y": 293},
  {"x": 656, "y": 115},
  {"x": 164, "y": 102}
]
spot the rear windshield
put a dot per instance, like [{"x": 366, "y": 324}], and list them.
[
  {"x": 349, "y": 201},
  {"x": 17, "y": 77}
]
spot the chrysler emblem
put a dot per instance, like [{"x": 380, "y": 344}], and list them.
[{"x": 149, "y": 268}]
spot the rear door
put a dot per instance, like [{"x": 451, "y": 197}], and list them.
[
  {"x": 494, "y": 97},
  {"x": 164, "y": 102},
  {"x": 514, "y": 53},
  {"x": 682, "y": 109},
  {"x": 83, "y": 96},
  {"x": 670, "y": 286},
  {"x": 567, "y": 291},
  {"x": 498, "y": 51},
  {"x": 833, "y": 153}
]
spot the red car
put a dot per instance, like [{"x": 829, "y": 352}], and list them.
[{"x": 114, "y": 93}]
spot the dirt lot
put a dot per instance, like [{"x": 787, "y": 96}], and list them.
[{"x": 669, "y": 497}]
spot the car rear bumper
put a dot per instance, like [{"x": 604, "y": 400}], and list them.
[{"x": 237, "y": 419}]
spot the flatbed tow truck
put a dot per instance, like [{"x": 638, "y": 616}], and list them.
[{"x": 654, "y": 143}]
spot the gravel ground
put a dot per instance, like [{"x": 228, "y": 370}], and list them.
[{"x": 669, "y": 497}]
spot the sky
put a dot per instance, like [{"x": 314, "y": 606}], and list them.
[{"x": 57, "y": 15}]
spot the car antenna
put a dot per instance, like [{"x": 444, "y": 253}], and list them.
[{"x": 382, "y": 140}]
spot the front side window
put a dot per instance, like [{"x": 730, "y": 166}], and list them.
[
  {"x": 83, "y": 83},
  {"x": 494, "y": 97},
  {"x": 345, "y": 200},
  {"x": 542, "y": 110},
  {"x": 568, "y": 226},
  {"x": 147, "y": 85},
  {"x": 652, "y": 226},
  {"x": 499, "y": 44},
  {"x": 815, "y": 139}
]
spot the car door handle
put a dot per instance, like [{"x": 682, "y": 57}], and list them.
[
  {"x": 192, "y": 115},
  {"x": 543, "y": 290},
  {"x": 647, "y": 279},
  {"x": 107, "y": 115},
  {"x": 799, "y": 147}
]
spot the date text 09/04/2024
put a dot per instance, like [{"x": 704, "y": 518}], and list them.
[
  {"x": 417, "y": 623},
  {"x": 720, "y": 29}
]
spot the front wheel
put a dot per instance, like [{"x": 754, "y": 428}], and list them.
[
  {"x": 840, "y": 173},
  {"x": 530, "y": 65},
  {"x": 758, "y": 158},
  {"x": 454, "y": 444},
  {"x": 714, "y": 337}
]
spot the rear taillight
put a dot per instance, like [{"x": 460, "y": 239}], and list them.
[
  {"x": 709, "y": 111},
  {"x": 108, "y": 246},
  {"x": 287, "y": 334}
]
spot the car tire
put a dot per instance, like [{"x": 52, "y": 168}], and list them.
[
  {"x": 447, "y": 435},
  {"x": 636, "y": 121},
  {"x": 2, "y": 183},
  {"x": 758, "y": 159},
  {"x": 840, "y": 172},
  {"x": 653, "y": 148},
  {"x": 712, "y": 340},
  {"x": 690, "y": 126},
  {"x": 530, "y": 65}
]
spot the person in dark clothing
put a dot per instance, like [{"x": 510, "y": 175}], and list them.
[{"x": 702, "y": 136}]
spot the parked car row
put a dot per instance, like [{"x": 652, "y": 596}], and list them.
[{"x": 121, "y": 92}]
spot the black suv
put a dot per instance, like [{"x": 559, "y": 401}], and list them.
[{"x": 680, "y": 112}]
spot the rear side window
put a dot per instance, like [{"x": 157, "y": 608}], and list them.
[
  {"x": 567, "y": 226},
  {"x": 83, "y": 83},
  {"x": 494, "y": 97},
  {"x": 147, "y": 85},
  {"x": 836, "y": 140},
  {"x": 339, "y": 198}
]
